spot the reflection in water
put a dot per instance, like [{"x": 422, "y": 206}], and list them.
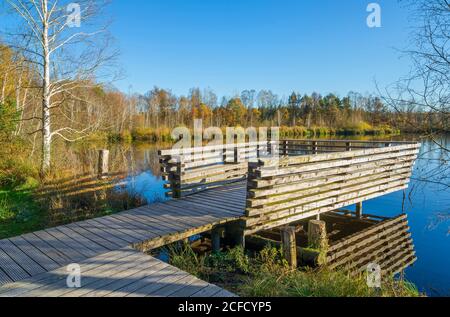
[{"x": 426, "y": 202}]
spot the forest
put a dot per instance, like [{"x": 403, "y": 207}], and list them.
[{"x": 92, "y": 110}]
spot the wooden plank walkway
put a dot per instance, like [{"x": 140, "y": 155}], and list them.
[
  {"x": 147, "y": 227},
  {"x": 121, "y": 273}
]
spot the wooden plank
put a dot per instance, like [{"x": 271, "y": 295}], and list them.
[
  {"x": 18, "y": 256},
  {"x": 12, "y": 269},
  {"x": 345, "y": 197},
  {"x": 193, "y": 211},
  {"x": 23, "y": 288},
  {"x": 46, "y": 248},
  {"x": 58, "y": 287},
  {"x": 105, "y": 276},
  {"x": 332, "y": 177},
  {"x": 149, "y": 267},
  {"x": 292, "y": 169},
  {"x": 134, "y": 288},
  {"x": 224, "y": 147},
  {"x": 105, "y": 235},
  {"x": 85, "y": 242},
  {"x": 117, "y": 229},
  {"x": 208, "y": 291},
  {"x": 42, "y": 259},
  {"x": 196, "y": 286},
  {"x": 172, "y": 217},
  {"x": 147, "y": 217},
  {"x": 336, "y": 190},
  {"x": 401, "y": 149},
  {"x": 394, "y": 230},
  {"x": 93, "y": 237},
  {"x": 359, "y": 235},
  {"x": 181, "y": 284},
  {"x": 154, "y": 287},
  {"x": 259, "y": 184},
  {"x": 69, "y": 252},
  {"x": 4, "y": 278},
  {"x": 314, "y": 212},
  {"x": 71, "y": 244}
]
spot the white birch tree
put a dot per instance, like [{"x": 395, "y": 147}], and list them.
[{"x": 69, "y": 46}]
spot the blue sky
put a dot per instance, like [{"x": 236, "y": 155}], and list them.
[{"x": 282, "y": 45}]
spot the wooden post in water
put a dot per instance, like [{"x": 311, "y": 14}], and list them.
[
  {"x": 359, "y": 210},
  {"x": 103, "y": 164},
  {"x": 289, "y": 245}
]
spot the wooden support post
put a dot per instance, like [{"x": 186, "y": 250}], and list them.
[
  {"x": 103, "y": 164},
  {"x": 236, "y": 155},
  {"x": 235, "y": 234},
  {"x": 285, "y": 148},
  {"x": 317, "y": 234},
  {"x": 359, "y": 210},
  {"x": 349, "y": 146},
  {"x": 216, "y": 235},
  {"x": 289, "y": 245},
  {"x": 177, "y": 181},
  {"x": 315, "y": 148}
]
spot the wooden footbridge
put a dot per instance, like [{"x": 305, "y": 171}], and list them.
[{"x": 237, "y": 189}]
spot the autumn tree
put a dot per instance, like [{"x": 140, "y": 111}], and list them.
[{"x": 63, "y": 42}]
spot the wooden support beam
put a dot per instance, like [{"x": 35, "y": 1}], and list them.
[
  {"x": 289, "y": 245},
  {"x": 216, "y": 235},
  {"x": 359, "y": 210},
  {"x": 103, "y": 164},
  {"x": 235, "y": 234},
  {"x": 317, "y": 234}
]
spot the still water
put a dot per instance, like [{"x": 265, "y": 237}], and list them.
[{"x": 427, "y": 203}]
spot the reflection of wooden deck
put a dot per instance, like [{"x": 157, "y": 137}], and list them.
[
  {"x": 122, "y": 273},
  {"x": 33, "y": 254}
]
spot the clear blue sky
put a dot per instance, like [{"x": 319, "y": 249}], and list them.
[{"x": 282, "y": 45}]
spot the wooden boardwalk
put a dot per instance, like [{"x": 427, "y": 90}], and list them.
[
  {"x": 151, "y": 226},
  {"x": 122, "y": 273}
]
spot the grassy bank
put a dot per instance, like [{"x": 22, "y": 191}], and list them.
[
  {"x": 360, "y": 129},
  {"x": 19, "y": 212},
  {"x": 164, "y": 134},
  {"x": 266, "y": 274}
]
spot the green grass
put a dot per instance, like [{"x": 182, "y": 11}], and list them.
[
  {"x": 19, "y": 213},
  {"x": 266, "y": 274}
]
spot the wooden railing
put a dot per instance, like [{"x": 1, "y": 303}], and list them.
[
  {"x": 388, "y": 244},
  {"x": 189, "y": 171},
  {"x": 331, "y": 175}
]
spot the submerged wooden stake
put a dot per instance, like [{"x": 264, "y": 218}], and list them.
[{"x": 289, "y": 245}]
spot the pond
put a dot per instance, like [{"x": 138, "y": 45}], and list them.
[{"x": 426, "y": 202}]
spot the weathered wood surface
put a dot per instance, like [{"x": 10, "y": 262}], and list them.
[
  {"x": 192, "y": 170},
  {"x": 388, "y": 244},
  {"x": 122, "y": 273},
  {"x": 291, "y": 188},
  {"x": 144, "y": 228}
]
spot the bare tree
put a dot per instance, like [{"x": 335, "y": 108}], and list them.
[
  {"x": 426, "y": 90},
  {"x": 69, "y": 50}
]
